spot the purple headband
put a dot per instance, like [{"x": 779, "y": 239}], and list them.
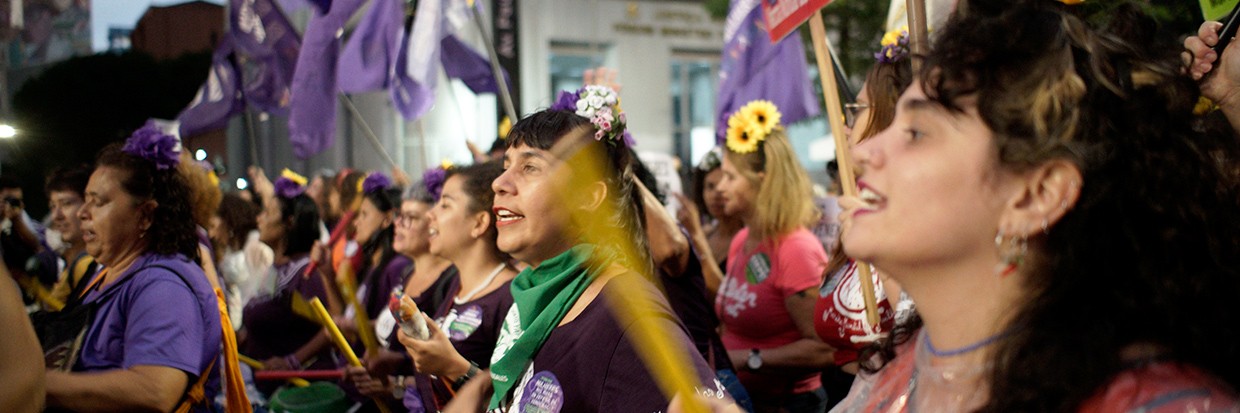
[
  {"x": 156, "y": 142},
  {"x": 434, "y": 179},
  {"x": 376, "y": 182}
]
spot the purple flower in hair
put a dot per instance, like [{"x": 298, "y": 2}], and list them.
[
  {"x": 566, "y": 101},
  {"x": 433, "y": 179},
  {"x": 287, "y": 188},
  {"x": 152, "y": 143},
  {"x": 376, "y": 182}
]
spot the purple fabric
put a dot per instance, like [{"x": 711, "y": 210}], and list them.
[
  {"x": 272, "y": 329},
  {"x": 589, "y": 365},
  {"x": 385, "y": 280},
  {"x": 434, "y": 179},
  {"x": 753, "y": 68},
  {"x": 409, "y": 97},
  {"x": 461, "y": 62},
  {"x": 375, "y": 182},
  {"x": 268, "y": 47},
  {"x": 689, "y": 299},
  {"x": 152, "y": 144},
  {"x": 566, "y": 101},
  {"x": 368, "y": 57},
  {"x": 152, "y": 316},
  {"x": 288, "y": 189},
  {"x": 473, "y": 331},
  {"x": 218, "y": 98},
  {"x": 312, "y": 114}
]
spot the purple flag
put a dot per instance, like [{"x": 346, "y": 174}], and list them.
[
  {"x": 312, "y": 114},
  {"x": 461, "y": 62},
  {"x": 753, "y": 68},
  {"x": 218, "y": 98},
  {"x": 267, "y": 46},
  {"x": 369, "y": 55},
  {"x": 409, "y": 97}
]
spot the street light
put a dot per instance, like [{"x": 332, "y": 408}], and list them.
[{"x": 7, "y": 131}]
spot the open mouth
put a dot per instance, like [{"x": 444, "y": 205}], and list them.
[
  {"x": 873, "y": 200},
  {"x": 88, "y": 235},
  {"x": 505, "y": 217}
]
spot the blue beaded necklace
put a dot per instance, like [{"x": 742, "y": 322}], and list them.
[{"x": 962, "y": 350}]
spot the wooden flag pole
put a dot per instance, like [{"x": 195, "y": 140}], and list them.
[
  {"x": 835, "y": 112},
  {"x": 917, "y": 31},
  {"x": 505, "y": 96}
]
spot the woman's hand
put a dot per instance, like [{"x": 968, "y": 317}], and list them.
[
  {"x": 1220, "y": 78},
  {"x": 366, "y": 384},
  {"x": 277, "y": 364},
  {"x": 321, "y": 256},
  {"x": 436, "y": 355}
]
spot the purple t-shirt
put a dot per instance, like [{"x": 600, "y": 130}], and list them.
[
  {"x": 472, "y": 327},
  {"x": 153, "y": 316},
  {"x": 689, "y": 299},
  {"x": 272, "y": 329},
  {"x": 379, "y": 283},
  {"x": 589, "y": 364}
]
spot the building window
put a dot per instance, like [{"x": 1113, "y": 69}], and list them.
[
  {"x": 568, "y": 60},
  {"x": 693, "y": 90}
]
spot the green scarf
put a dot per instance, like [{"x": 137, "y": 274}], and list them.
[{"x": 541, "y": 297}]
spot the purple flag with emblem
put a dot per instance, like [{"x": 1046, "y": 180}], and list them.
[
  {"x": 429, "y": 45},
  {"x": 370, "y": 53},
  {"x": 312, "y": 114},
  {"x": 218, "y": 98},
  {"x": 753, "y": 68},
  {"x": 267, "y": 48}
]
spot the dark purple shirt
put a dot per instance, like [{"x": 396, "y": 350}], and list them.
[
  {"x": 689, "y": 299},
  {"x": 378, "y": 285},
  {"x": 272, "y": 329},
  {"x": 161, "y": 312},
  {"x": 590, "y": 365}
]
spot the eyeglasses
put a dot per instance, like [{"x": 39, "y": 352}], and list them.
[
  {"x": 406, "y": 220},
  {"x": 853, "y": 111}
]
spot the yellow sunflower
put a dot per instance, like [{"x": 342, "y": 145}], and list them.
[
  {"x": 742, "y": 136},
  {"x": 763, "y": 115},
  {"x": 293, "y": 176}
]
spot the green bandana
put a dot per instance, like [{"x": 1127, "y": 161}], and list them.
[{"x": 541, "y": 297}]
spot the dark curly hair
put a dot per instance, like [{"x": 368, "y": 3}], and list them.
[
  {"x": 477, "y": 183},
  {"x": 172, "y": 228},
  {"x": 548, "y": 128},
  {"x": 1149, "y": 254}
]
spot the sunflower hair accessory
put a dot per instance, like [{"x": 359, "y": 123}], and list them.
[
  {"x": 157, "y": 142},
  {"x": 290, "y": 184},
  {"x": 750, "y": 125},
  {"x": 894, "y": 46},
  {"x": 601, "y": 105}
]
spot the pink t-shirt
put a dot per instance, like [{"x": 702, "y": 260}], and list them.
[{"x": 751, "y": 306}]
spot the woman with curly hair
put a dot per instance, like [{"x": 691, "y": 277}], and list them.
[
  {"x": 1085, "y": 252},
  {"x": 156, "y": 330}
]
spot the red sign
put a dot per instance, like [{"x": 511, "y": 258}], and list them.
[{"x": 783, "y": 16}]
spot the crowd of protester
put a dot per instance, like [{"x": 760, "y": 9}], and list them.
[{"x": 1049, "y": 218}]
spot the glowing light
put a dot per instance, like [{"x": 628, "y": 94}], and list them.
[
  {"x": 242, "y": 184},
  {"x": 200, "y": 154},
  {"x": 7, "y": 131}
]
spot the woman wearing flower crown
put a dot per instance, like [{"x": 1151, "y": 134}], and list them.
[
  {"x": 156, "y": 331},
  {"x": 774, "y": 264},
  {"x": 289, "y": 224},
  {"x": 1069, "y": 239},
  {"x": 565, "y": 205}
]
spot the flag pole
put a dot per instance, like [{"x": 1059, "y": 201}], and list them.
[
  {"x": 505, "y": 96},
  {"x": 251, "y": 134},
  {"x": 917, "y": 31},
  {"x": 835, "y": 111},
  {"x": 369, "y": 133}
]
